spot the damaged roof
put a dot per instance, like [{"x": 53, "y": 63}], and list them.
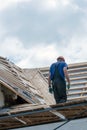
[
  {"x": 36, "y": 104},
  {"x": 34, "y": 114},
  {"x": 13, "y": 78}
]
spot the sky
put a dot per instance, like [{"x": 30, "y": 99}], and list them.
[{"x": 33, "y": 33}]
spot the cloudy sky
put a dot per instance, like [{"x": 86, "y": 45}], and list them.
[{"x": 33, "y": 33}]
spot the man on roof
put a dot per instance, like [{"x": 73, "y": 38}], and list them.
[{"x": 56, "y": 80}]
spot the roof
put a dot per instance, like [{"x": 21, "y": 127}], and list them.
[
  {"x": 13, "y": 78},
  {"x": 33, "y": 114},
  {"x": 78, "y": 80},
  {"x": 27, "y": 100}
]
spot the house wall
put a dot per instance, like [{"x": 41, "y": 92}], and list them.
[{"x": 80, "y": 124}]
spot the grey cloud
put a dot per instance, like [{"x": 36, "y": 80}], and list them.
[
  {"x": 36, "y": 26},
  {"x": 81, "y": 3}
]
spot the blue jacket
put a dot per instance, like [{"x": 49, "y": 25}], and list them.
[{"x": 60, "y": 69}]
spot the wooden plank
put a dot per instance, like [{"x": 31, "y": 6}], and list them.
[
  {"x": 76, "y": 65},
  {"x": 78, "y": 73},
  {"x": 77, "y": 69},
  {"x": 76, "y": 98},
  {"x": 78, "y": 78},
  {"x": 18, "y": 91},
  {"x": 77, "y": 93},
  {"x": 45, "y": 117},
  {"x": 79, "y": 83},
  {"x": 78, "y": 88}
]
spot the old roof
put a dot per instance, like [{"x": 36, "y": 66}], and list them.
[
  {"x": 39, "y": 107},
  {"x": 33, "y": 114},
  {"x": 13, "y": 78},
  {"x": 78, "y": 79}
]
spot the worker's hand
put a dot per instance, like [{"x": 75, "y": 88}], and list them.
[
  {"x": 50, "y": 89},
  {"x": 68, "y": 86}
]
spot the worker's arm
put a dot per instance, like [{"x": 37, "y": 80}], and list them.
[{"x": 66, "y": 75}]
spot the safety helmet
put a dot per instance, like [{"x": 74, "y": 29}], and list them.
[{"x": 61, "y": 58}]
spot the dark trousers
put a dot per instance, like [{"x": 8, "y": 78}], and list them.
[{"x": 59, "y": 87}]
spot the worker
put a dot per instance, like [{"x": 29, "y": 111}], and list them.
[{"x": 58, "y": 75}]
